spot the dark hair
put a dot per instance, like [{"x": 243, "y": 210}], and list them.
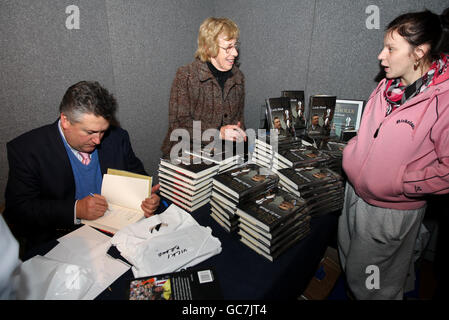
[
  {"x": 424, "y": 27},
  {"x": 88, "y": 97}
]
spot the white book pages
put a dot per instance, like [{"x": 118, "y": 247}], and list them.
[{"x": 123, "y": 191}]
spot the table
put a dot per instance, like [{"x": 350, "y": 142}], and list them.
[{"x": 244, "y": 274}]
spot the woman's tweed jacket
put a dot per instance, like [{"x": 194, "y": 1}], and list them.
[{"x": 196, "y": 96}]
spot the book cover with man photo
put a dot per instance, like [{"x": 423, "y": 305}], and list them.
[
  {"x": 321, "y": 113},
  {"x": 242, "y": 181},
  {"x": 270, "y": 208},
  {"x": 280, "y": 116},
  {"x": 301, "y": 156},
  {"x": 307, "y": 177}
]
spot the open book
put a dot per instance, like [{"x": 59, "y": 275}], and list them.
[{"x": 124, "y": 192}]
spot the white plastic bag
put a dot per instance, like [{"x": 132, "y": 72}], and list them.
[
  {"x": 46, "y": 279},
  {"x": 164, "y": 243},
  {"x": 174, "y": 251}
]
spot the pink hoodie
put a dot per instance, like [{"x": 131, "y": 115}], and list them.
[{"x": 395, "y": 160}]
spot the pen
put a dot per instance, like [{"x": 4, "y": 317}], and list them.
[{"x": 92, "y": 195}]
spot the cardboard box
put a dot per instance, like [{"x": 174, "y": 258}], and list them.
[{"x": 325, "y": 277}]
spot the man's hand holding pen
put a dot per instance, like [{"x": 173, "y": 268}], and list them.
[
  {"x": 91, "y": 207},
  {"x": 94, "y": 206}
]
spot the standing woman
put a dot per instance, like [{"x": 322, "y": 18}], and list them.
[
  {"x": 400, "y": 155},
  {"x": 211, "y": 89}
]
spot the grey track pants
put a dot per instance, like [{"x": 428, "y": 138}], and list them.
[{"x": 376, "y": 245}]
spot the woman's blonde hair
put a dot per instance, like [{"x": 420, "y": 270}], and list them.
[{"x": 208, "y": 34}]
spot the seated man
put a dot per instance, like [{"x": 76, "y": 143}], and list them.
[{"x": 56, "y": 171}]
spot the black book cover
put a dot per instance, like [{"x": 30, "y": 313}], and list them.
[
  {"x": 291, "y": 225},
  {"x": 271, "y": 208},
  {"x": 302, "y": 156},
  {"x": 222, "y": 152},
  {"x": 287, "y": 227},
  {"x": 335, "y": 146},
  {"x": 325, "y": 197},
  {"x": 273, "y": 256},
  {"x": 190, "y": 166},
  {"x": 334, "y": 149},
  {"x": 273, "y": 248},
  {"x": 280, "y": 116},
  {"x": 191, "y": 284},
  {"x": 297, "y": 107},
  {"x": 333, "y": 186},
  {"x": 290, "y": 143},
  {"x": 245, "y": 180},
  {"x": 271, "y": 143},
  {"x": 308, "y": 177},
  {"x": 321, "y": 113}
]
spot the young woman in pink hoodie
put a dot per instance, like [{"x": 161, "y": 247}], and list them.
[{"x": 400, "y": 155}]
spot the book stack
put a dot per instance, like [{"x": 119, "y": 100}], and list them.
[
  {"x": 234, "y": 186},
  {"x": 294, "y": 156},
  {"x": 226, "y": 157},
  {"x": 273, "y": 221},
  {"x": 335, "y": 151},
  {"x": 187, "y": 181},
  {"x": 322, "y": 188},
  {"x": 263, "y": 152}
]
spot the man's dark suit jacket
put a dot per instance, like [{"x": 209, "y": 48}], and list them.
[{"x": 40, "y": 193}]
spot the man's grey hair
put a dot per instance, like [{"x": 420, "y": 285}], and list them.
[{"x": 88, "y": 97}]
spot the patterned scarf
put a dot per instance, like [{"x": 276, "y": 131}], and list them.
[{"x": 397, "y": 94}]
